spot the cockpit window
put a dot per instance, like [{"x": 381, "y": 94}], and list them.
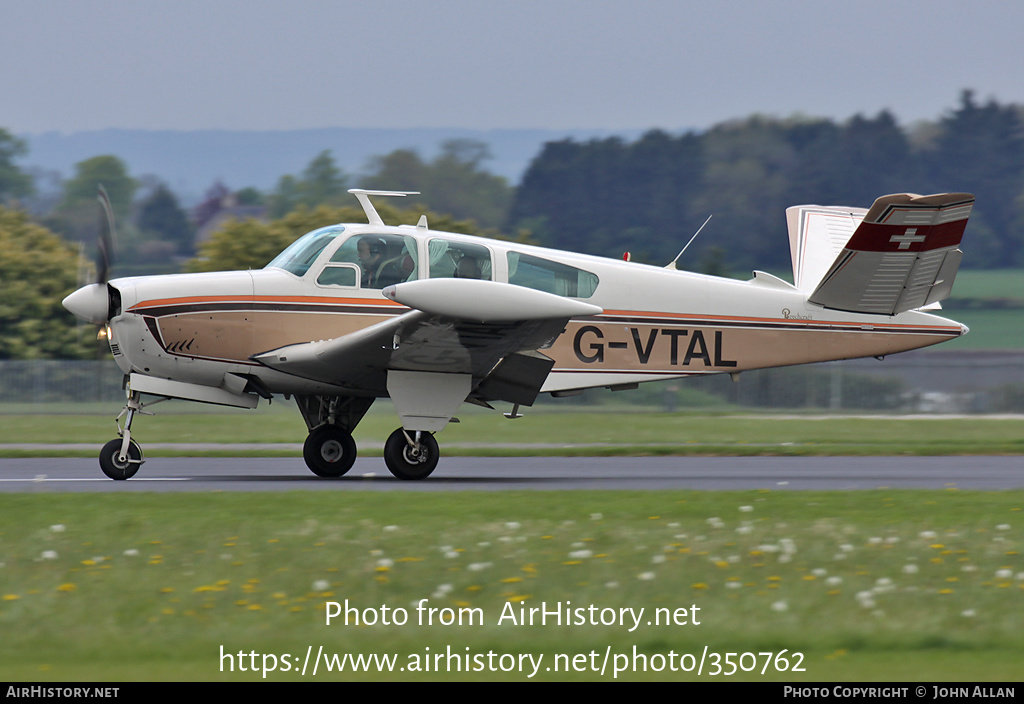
[
  {"x": 552, "y": 277},
  {"x": 383, "y": 260},
  {"x": 458, "y": 260},
  {"x": 301, "y": 254}
]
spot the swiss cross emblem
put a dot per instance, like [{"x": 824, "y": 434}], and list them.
[{"x": 907, "y": 238}]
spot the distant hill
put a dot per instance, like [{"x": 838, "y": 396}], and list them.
[{"x": 190, "y": 162}]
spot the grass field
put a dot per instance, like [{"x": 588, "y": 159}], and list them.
[
  {"x": 880, "y": 585},
  {"x": 611, "y": 430}
]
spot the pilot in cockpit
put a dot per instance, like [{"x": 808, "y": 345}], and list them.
[{"x": 378, "y": 272}]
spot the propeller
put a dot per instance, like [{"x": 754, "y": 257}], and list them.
[{"x": 96, "y": 303}]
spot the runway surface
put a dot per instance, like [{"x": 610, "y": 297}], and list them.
[{"x": 163, "y": 474}]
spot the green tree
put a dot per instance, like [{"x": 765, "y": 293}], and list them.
[
  {"x": 37, "y": 270},
  {"x": 161, "y": 216},
  {"x": 454, "y": 182},
  {"x": 980, "y": 149},
  {"x": 76, "y": 215},
  {"x": 13, "y": 183},
  {"x": 321, "y": 183}
]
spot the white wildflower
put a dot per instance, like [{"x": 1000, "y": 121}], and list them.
[
  {"x": 512, "y": 525},
  {"x": 780, "y": 606},
  {"x": 645, "y": 576},
  {"x": 49, "y": 555},
  {"x": 57, "y": 528},
  {"x": 910, "y": 569},
  {"x": 580, "y": 554},
  {"x": 321, "y": 585}
]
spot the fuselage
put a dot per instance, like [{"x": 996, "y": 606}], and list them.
[{"x": 657, "y": 323}]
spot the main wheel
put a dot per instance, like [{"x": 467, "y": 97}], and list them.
[
  {"x": 411, "y": 461},
  {"x": 329, "y": 451},
  {"x": 113, "y": 467}
]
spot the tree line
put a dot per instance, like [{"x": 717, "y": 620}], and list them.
[
  {"x": 602, "y": 197},
  {"x": 650, "y": 196}
]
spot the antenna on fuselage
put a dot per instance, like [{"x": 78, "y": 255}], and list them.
[
  {"x": 363, "y": 196},
  {"x": 672, "y": 264}
]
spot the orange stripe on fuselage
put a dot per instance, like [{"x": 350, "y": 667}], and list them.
[
  {"x": 710, "y": 319},
  {"x": 187, "y": 300}
]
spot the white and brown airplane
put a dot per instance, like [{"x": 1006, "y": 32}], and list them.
[{"x": 354, "y": 312}]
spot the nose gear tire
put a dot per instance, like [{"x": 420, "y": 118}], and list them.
[{"x": 113, "y": 467}]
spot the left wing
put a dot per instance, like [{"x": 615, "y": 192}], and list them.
[{"x": 487, "y": 330}]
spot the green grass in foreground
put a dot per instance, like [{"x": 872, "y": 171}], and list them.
[
  {"x": 879, "y": 585},
  {"x": 616, "y": 431}
]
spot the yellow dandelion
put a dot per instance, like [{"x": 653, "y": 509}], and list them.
[
  {"x": 511, "y": 580},
  {"x": 67, "y": 587},
  {"x": 699, "y": 585},
  {"x": 11, "y": 597},
  {"x": 167, "y": 590},
  {"x": 518, "y": 597}
]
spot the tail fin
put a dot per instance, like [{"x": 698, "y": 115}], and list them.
[
  {"x": 902, "y": 255},
  {"x": 817, "y": 234}
]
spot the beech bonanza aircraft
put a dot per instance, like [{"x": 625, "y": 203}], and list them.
[{"x": 352, "y": 312}]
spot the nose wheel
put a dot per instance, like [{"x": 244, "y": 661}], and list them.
[
  {"x": 411, "y": 454},
  {"x": 121, "y": 458},
  {"x": 117, "y": 465},
  {"x": 329, "y": 451}
]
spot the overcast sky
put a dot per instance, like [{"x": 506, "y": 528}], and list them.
[{"x": 261, "y": 64}]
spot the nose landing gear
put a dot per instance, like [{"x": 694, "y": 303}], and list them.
[{"x": 121, "y": 458}]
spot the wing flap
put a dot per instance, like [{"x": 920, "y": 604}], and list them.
[{"x": 902, "y": 256}]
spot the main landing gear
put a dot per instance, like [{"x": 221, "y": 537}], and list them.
[
  {"x": 411, "y": 454},
  {"x": 330, "y": 451}
]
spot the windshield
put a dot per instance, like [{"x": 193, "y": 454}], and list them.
[{"x": 301, "y": 254}]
